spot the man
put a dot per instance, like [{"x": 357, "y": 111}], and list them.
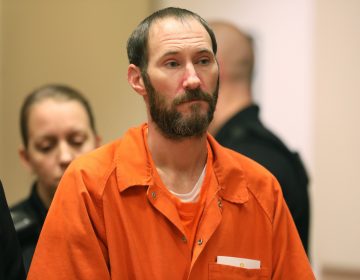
[
  {"x": 57, "y": 125},
  {"x": 237, "y": 124},
  {"x": 11, "y": 265},
  {"x": 166, "y": 201}
]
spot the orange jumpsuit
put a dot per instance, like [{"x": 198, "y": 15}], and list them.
[{"x": 110, "y": 220}]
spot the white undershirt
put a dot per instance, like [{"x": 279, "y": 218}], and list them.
[{"x": 193, "y": 195}]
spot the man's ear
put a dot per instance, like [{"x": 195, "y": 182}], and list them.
[
  {"x": 24, "y": 157},
  {"x": 135, "y": 79}
]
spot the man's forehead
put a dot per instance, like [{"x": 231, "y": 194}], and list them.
[{"x": 171, "y": 28}]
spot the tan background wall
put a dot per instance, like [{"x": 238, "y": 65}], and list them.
[
  {"x": 337, "y": 136},
  {"x": 81, "y": 43}
]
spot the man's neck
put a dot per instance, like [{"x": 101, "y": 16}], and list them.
[{"x": 178, "y": 162}]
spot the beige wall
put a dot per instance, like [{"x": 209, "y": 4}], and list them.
[
  {"x": 337, "y": 135},
  {"x": 81, "y": 43}
]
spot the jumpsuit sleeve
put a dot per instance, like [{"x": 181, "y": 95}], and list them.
[
  {"x": 72, "y": 244},
  {"x": 289, "y": 258}
]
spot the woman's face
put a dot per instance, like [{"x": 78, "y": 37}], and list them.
[{"x": 58, "y": 132}]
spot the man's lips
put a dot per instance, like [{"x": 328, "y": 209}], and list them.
[{"x": 192, "y": 100}]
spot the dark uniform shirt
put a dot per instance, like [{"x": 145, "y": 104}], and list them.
[
  {"x": 11, "y": 265},
  {"x": 246, "y": 134},
  {"x": 28, "y": 217}
]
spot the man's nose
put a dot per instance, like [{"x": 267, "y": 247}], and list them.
[
  {"x": 191, "y": 79},
  {"x": 66, "y": 154}
]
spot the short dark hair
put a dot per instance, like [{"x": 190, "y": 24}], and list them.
[
  {"x": 51, "y": 91},
  {"x": 137, "y": 45}
]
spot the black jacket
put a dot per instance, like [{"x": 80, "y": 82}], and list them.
[
  {"x": 11, "y": 265},
  {"x": 28, "y": 217},
  {"x": 246, "y": 134}
]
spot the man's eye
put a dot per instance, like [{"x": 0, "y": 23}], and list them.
[
  {"x": 172, "y": 64},
  {"x": 204, "y": 61}
]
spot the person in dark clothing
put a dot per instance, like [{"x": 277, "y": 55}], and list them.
[
  {"x": 29, "y": 216},
  {"x": 57, "y": 125},
  {"x": 11, "y": 264},
  {"x": 237, "y": 125}
]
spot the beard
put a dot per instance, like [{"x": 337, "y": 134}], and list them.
[{"x": 170, "y": 121}]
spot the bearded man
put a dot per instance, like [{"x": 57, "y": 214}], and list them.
[{"x": 167, "y": 201}]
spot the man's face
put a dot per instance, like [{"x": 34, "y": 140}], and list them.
[
  {"x": 182, "y": 77},
  {"x": 58, "y": 131}
]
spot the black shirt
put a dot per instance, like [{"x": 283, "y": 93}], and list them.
[
  {"x": 246, "y": 134},
  {"x": 29, "y": 216},
  {"x": 11, "y": 265}
]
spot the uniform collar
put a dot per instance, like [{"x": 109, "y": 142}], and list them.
[
  {"x": 235, "y": 126},
  {"x": 229, "y": 173},
  {"x": 133, "y": 166}
]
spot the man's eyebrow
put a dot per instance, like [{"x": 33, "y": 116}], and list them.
[
  {"x": 205, "y": 50},
  {"x": 201, "y": 51},
  {"x": 169, "y": 53}
]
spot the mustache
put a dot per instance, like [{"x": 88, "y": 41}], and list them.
[{"x": 193, "y": 95}]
